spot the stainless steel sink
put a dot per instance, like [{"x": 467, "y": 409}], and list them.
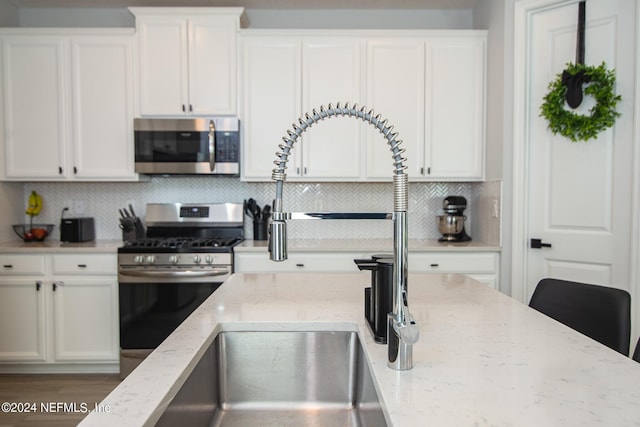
[{"x": 317, "y": 378}]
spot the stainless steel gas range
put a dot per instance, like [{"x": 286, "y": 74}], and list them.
[{"x": 186, "y": 255}]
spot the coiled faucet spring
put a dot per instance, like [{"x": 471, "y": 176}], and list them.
[{"x": 308, "y": 120}]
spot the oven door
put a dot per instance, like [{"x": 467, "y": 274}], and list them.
[{"x": 150, "y": 310}]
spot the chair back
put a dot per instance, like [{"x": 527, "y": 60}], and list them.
[{"x": 600, "y": 312}]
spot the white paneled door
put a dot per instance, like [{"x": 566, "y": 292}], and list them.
[{"x": 580, "y": 194}]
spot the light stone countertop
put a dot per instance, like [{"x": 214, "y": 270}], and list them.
[
  {"x": 302, "y": 245},
  {"x": 51, "y": 246},
  {"x": 483, "y": 358},
  {"x": 368, "y": 245}
]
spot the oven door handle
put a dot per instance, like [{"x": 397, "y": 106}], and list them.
[{"x": 207, "y": 273}]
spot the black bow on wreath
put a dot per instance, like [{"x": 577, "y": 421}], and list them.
[
  {"x": 574, "y": 82},
  {"x": 574, "y": 87}
]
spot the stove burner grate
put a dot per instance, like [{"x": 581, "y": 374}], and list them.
[{"x": 181, "y": 243}]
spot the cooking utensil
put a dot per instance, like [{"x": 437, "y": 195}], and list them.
[{"x": 247, "y": 207}]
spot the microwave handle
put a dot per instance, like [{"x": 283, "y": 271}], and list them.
[{"x": 212, "y": 145}]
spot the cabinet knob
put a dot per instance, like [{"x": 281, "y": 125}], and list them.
[
  {"x": 300, "y": 265},
  {"x": 7, "y": 266},
  {"x": 60, "y": 170},
  {"x": 38, "y": 285},
  {"x": 75, "y": 170},
  {"x": 56, "y": 285},
  {"x": 184, "y": 109},
  {"x": 190, "y": 108},
  {"x": 434, "y": 265},
  {"x": 82, "y": 265}
]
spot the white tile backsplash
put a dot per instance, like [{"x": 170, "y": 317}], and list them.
[{"x": 102, "y": 200}]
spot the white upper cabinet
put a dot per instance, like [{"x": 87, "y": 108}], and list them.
[
  {"x": 395, "y": 89},
  {"x": 433, "y": 91},
  {"x": 68, "y": 106},
  {"x": 35, "y": 107},
  {"x": 331, "y": 73},
  {"x": 429, "y": 85},
  {"x": 286, "y": 76},
  {"x": 271, "y": 99},
  {"x": 187, "y": 60},
  {"x": 455, "y": 106},
  {"x": 102, "y": 118}
]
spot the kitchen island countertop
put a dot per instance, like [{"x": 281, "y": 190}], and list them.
[{"x": 483, "y": 358}]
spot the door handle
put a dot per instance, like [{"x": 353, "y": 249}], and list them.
[{"x": 538, "y": 244}]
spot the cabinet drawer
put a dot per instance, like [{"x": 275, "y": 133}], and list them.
[
  {"x": 486, "y": 263},
  {"x": 85, "y": 264},
  {"x": 303, "y": 262},
  {"x": 22, "y": 264}
]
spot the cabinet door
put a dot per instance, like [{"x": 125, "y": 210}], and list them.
[
  {"x": 271, "y": 101},
  {"x": 454, "y": 116},
  {"x": 22, "y": 320},
  {"x": 86, "y": 319},
  {"x": 35, "y": 107},
  {"x": 103, "y": 107},
  {"x": 163, "y": 65},
  {"x": 395, "y": 89},
  {"x": 212, "y": 65},
  {"x": 331, "y": 73}
]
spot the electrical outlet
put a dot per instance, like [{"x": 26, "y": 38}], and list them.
[
  {"x": 78, "y": 207},
  {"x": 495, "y": 208}
]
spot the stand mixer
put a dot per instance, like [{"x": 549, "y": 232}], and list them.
[{"x": 451, "y": 224}]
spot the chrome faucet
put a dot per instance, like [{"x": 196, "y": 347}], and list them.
[{"x": 402, "y": 331}]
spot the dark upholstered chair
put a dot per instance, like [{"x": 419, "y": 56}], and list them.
[
  {"x": 636, "y": 352},
  {"x": 599, "y": 312}
]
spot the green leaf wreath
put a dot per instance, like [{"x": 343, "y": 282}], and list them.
[{"x": 578, "y": 127}]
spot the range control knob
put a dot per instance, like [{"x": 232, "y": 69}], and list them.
[
  {"x": 150, "y": 259},
  {"x": 196, "y": 259},
  {"x": 138, "y": 259},
  {"x": 173, "y": 259},
  {"x": 208, "y": 259}
]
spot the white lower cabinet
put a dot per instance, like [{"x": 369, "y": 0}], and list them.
[
  {"x": 59, "y": 313},
  {"x": 482, "y": 266}
]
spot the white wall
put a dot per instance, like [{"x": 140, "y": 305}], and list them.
[
  {"x": 497, "y": 16},
  {"x": 361, "y": 19},
  {"x": 296, "y": 19},
  {"x": 8, "y": 14}
]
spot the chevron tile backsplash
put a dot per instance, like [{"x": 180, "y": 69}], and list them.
[{"x": 102, "y": 200}]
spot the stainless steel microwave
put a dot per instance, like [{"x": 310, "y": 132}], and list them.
[{"x": 196, "y": 146}]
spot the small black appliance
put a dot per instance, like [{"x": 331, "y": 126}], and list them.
[
  {"x": 77, "y": 229},
  {"x": 451, "y": 223}
]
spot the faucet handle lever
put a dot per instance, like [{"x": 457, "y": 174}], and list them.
[{"x": 407, "y": 330}]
